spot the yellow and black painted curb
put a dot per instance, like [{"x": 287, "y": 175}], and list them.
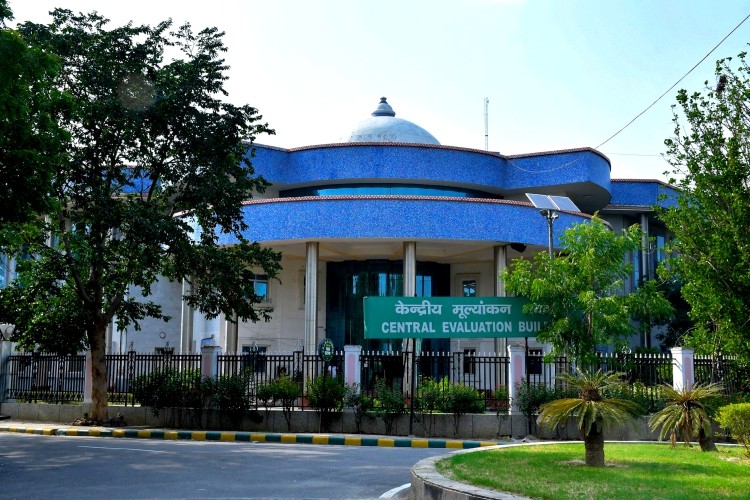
[{"x": 249, "y": 437}]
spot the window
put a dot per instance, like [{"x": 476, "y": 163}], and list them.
[
  {"x": 470, "y": 364},
  {"x": 260, "y": 286},
  {"x": 469, "y": 288},
  {"x": 467, "y": 285}
]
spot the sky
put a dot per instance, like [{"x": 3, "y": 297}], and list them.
[{"x": 558, "y": 74}]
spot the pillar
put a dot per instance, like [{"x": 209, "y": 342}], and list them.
[
  {"x": 683, "y": 375},
  {"x": 233, "y": 333},
  {"x": 501, "y": 263},
  {"x": 186, "y": 324},
  {"x": 210, "y": 361},
  {"x": 645, "y": 269},
  {"x": 6, "y": 347},
  {"x": 311, "y": 297},
  {"x": 352, "y": 368},
  {"x": 409, "y": 290},
  {"x": 88, "y": 380},
  {"x": 516, "y": 374}
]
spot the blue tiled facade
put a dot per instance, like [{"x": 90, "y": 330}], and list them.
[{"x": 353, "y": 216}]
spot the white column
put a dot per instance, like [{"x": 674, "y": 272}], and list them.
[
  {"x": 409, "y": 290},
  {"x": 186, "y": 325},
  {"x": 501, "y": 263},
  {"x": 683, "y": 375},
  {"x": 311, "y": 297},
  {"x": 516, "y": 374},
  {"x": 233, "y": 332},
  {"x": 645, "y": 270},
  {"x": 352, "y": 369}
]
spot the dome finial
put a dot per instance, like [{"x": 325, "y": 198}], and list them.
[{"x": 383, "y": 109}]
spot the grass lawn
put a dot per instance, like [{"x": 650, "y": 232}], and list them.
[{"x": 633, "y": 471}]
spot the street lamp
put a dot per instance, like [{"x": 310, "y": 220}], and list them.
[{"x": 549, "y": 207}]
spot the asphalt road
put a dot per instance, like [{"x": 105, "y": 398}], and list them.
[{"x": 51, "y": 467}]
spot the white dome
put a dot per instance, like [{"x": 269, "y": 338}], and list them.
[{"x": 383, "y": 126}]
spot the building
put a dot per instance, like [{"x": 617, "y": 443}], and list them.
[{"x": 390, "y": 211}]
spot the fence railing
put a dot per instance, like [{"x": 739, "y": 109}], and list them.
[
  {"x": 263, "y": 367},
  {"x": 645, "y": 369},
  {"x": 52, "y": 378},
  {"x": 733, "y": 377}
]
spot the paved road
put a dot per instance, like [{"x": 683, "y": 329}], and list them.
[{"x": 87, "y": 468}]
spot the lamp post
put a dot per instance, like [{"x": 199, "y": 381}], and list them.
[
  {"x": 549, "y": 207},
  {"x": 551, "y": 215}
]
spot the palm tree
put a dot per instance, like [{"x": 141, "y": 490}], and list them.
[
  {"x": 592, "y": 410},
  {"x": 688, "y": 413}
]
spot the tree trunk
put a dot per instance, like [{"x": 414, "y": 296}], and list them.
[
  {"x": 593, "y": 442},
  {"x": 706, "y": 441},
  {"x": 97, "y": 341}
]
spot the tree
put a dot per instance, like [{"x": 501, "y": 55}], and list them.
[
  {"x": 31, "y": 140},
  {"x": 151, "y": 182},
  {"x": 592, "y": 410},
  {"x": 582, "y": 290},
  {"x": 710, "y": 162},
  {"x": 687, "y": 412}
]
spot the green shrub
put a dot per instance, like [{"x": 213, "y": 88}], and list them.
[
  {"x": 231, "y": 397},
  {"x": 282, "y": 390},
  {"x": 501, "y": 398},
  {"x": 429, "y": 400},
  {"x": 389, "y": 403},
  {"x": 326, "y": 394},
  {"x": 184, "y": 393},
  {"x": 650, "y": 399},
  {"x": 445, "y": 396},
  {"x": 529, "y": 397},
  {"x": 359, "y": 402},
  {"x": 461, "y": 399},
  {"x": 736, "y": 419}
]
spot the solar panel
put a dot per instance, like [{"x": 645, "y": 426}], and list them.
[
  {"x": 541, "y": 201},
  {"x": 564, "y": 203}
]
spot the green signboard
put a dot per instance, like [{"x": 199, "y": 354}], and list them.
[{"x": 449, "y": 317}]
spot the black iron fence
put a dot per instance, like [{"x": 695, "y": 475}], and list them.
[
  {"x": 41, "y": 377},
  {"x": 643, "y": 369},
  {"x": 38, "y": 377},
  {"x": 123, "y": 369},
  {"x": 725, "y": 370},
  {"x": 483, "y": 372},
  {"x": 262, "y": 368}
]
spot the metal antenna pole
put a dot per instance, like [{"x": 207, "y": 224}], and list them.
[{"x": 486, "y": 123}]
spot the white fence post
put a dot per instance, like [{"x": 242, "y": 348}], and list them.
[
  {"x": 516, "y": 374},
  {"x": 6, "y": 347},
  {"x": 210, "y": 361},
  {"x": 88, "y": 381},
  {"x": 352, "y": 366},
  {"x": 683, "y": 373}
]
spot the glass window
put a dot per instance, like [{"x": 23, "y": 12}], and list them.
[
  {"x": 260, "y": 286},
  {"x": 385, "y": 189},
  {"x": 469, "y": 288}
]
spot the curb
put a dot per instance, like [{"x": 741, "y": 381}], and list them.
[{"x": 252, "y": 437}]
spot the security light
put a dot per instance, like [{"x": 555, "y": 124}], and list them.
[{"x": 549, "y": 206}]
